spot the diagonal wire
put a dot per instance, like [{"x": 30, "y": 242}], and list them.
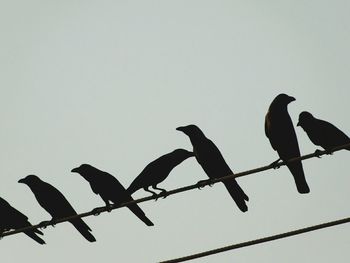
[
  {"x": 200, "y": 184},
  {"x": 259, "y": 241}
]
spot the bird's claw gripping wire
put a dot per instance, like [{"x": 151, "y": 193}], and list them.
[
  {"x": 45, "y": 224},
  {"x": 163, "y": 194},
  {"x": 97, "y": 211},
  {"x": 318, "y": 153},
  {"x": 201, "y": 184},
  {"x": 276, "y": 164}
]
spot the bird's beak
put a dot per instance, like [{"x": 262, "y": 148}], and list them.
[
  {"x": 180, "y": 128},
  {"x": 291, "y": 99},
  {"x": 298, "y": 124},
  {"x": 22, "y": 181},
  {"x": 75, "y": 170}
]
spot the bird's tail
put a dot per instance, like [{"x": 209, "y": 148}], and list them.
[
  {"x": 32, "y": 234},
  {"x": 132, "y": 189},
  {"x": 297, "y": 171},
  {"x": 140, "y": 214},
  {"x": 237, "y": 194},
  {"x": 83, "y": 229}
]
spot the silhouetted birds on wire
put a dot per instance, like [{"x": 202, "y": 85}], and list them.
[
  {"x": 213, "y": 163},
  {"x": 11, "y": 218},
  {"x": 278, "y": 128},
  {"x": 158, "y": 170},
  {"x": 280, "y": 131},
  {"x": 322, "y": 133},
  {"x": 54, "y": 202},
  {"x": 110, "y": 189}
]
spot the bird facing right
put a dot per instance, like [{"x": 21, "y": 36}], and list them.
[
  {"x": 280, "y": 131},
  {"x": 158, "y": 170},
  {"x": 322, "y": 133}
]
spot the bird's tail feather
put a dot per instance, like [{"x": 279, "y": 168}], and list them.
[
  {"x": 32, "y": 235},
  {"x": 83, "y": 229},
  {"x": 132, "y": 189},
  {"x": 140, "y": 214},
  {"x": 299, "y": 177},
  {"x": 37, "y": 231},
  {"x": 237, "y": 194}
]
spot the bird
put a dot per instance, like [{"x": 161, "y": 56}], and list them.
[
  {"x": 11, "y": 218},
  {"x": 158, "y": 170},
  {"x": 54, "y": 202},
  {"x": 322, "y": 133},
  {"x": 109, "y": 189},
  {"x": 213, "y": 163},
  {"x": 280, "y": 131}
]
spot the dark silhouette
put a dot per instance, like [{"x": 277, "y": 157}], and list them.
[
  {"x": 280, "y": 131},
  {"x": 213, "y": 163},
  {"x": 158, "y": 170},
  {"x": 11, "y": 218},
  {"x": 110, "y": 189},
  {"x": 322, "y": 133},
  {"x": 54, "y": 202}
]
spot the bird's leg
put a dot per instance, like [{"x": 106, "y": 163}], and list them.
[
  {"x": 163, "y": 191},
  {"x": 318, "y": 153},
  {"x": 275, "y": 164},
  {"x": 97, "y": 211},
  {"x": 329, "y": 151},
  {"x": 108, "y": 205},
  {"x": 200, "y": 184},
  {"x": 154, "y": 194},
  {"x": 44, "y": 224}
]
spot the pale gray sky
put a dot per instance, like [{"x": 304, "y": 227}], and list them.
[{"x": 107, "y": 83}]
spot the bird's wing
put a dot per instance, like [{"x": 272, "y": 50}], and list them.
[{"x": 212, "y": 161}]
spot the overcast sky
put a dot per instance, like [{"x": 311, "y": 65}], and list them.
[{"x": 107, "y": 83}]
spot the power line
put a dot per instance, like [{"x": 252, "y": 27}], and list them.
[
  {"x": 201, "y": 184},
  {"x": 260, "y": 240}
]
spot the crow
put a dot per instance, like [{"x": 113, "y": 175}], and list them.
[
  {"x": 213, "y": 163},
  {"x": 110, "y": 189},
  {"x": 280, "y": 131},
  {"x": 11, "y": 218},
  {"x": 158, "y": 170},
  {"x": 54, "y": 202},
  {"x": 322, "y": 133}
]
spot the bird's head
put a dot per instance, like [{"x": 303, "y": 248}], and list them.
[
  {"x": 305, "y": 118},
  {"x": 191, "y": 130},
  {"x": 82, "y": 169},
  {"x": 282, "y": 100},
  {"x": 85, "y": 170},
  {"x": 182, "y": 154},
  {"x": 30, "y": 180}
]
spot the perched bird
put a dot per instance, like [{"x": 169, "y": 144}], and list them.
[
  {"x": 11, "y": 218},
  {"x": 213, "y": 163},
  {"x": 110, "y": 189},
  {"x": 54, "y": 202},
  {"x": 158, "y": 170},
  {"x": 322, "y": 133},
  {"x": 280, "y": 131}
]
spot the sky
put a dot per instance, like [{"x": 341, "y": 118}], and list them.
[{"x": 107, "y": 83}]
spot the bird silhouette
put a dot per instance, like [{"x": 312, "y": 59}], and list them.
[
  {"x": 213, "y": 163},
  {"x": 158, "y": 170},
  {"x": 54, "y": 202},
  {"x": 110, "y": 189},
  {"x": 11, "y": 218},
  {"x": 322, "y": 133},
  {"x": 280, "y": 131}
]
